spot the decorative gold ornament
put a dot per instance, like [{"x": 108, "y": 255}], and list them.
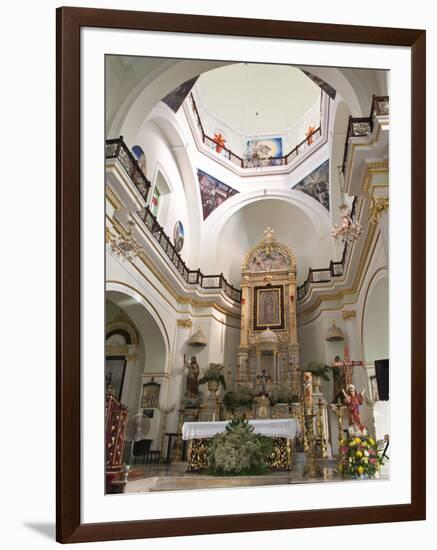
[
  {"x": 186, "y": 323},
  {"x": 348, "y": 314},
  {"x": 124, "y": 245},
  {"x": 379, "y": 205}
]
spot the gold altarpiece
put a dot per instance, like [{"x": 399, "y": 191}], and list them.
[{"x": 268, "y": 355}]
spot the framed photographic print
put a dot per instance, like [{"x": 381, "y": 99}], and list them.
[{"x": 250, "y": 195}]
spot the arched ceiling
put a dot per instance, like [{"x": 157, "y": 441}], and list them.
[
  {"x": 292, "y": 227},
  {"x": 280, "y": 94}
]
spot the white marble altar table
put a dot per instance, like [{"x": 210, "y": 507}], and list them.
[{"x": 277, "y": 427}]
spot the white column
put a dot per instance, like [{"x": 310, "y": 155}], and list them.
[{"x": 176, "y": 384}]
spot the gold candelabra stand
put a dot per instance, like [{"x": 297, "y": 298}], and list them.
[
  {"x": 338, "y": 409},
  {"x": 321, "y": 430},
  {"x": 178, "y": 444},
  {"x": 311, "y": 468}
]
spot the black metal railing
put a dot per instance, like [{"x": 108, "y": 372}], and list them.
[
  {"x": 361, "y": 126},
  {"x": 191, "y": 277},
  {"x": 322, "y": 275},
  {"x": 252, "y": 163},
  {"x": 117, "y": 149},
  {"x": 325, "y": 275}
]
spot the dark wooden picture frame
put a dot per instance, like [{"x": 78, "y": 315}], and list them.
[{"x": 69, "y": 23}]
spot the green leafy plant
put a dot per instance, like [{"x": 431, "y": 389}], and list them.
[
  {"x": 319, "y": 369},
  {"x": 241, "y": 396},
  {"x": 283, "y": 394},
  {"x": 239, "y": 451},
  {"x": 213, "y": 373}
]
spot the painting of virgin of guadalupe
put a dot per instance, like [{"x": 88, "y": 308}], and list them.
[{"x": 269, "y": 307}]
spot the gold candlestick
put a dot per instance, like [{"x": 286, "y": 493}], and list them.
[
  {"x": 321, "y": 431},
  {"x": 311, "y": 468},
  {"x": 338, "y": 410},
  {"x": 178, "y": 444}
]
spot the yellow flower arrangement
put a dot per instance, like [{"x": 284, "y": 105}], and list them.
[{"x": 359, "y": 456}]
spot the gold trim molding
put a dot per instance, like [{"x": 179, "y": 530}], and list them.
[
  {"x": 348, "y": 314},
  {"x": 371, "y": 169},
  {"x": 186, "y": 323},
  {"x": 113, "y": 199}
]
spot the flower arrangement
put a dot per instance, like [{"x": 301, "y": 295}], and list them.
[
  {"x": 213, "y": 373},
  {"x": 238, "y": 451},
  {"x": 359, "y": 457}
]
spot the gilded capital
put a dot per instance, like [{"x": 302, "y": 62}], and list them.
[
  {"x": 348, "y": 314},
  {"x": 379, "y": 205},
  {"x": 186, "y": 323}
]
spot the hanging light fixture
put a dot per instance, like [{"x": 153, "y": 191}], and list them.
[
  {"x": 349, "y": 230},
  {"x": 334, "y": 334},
  {"x": 197, "y": 339}
]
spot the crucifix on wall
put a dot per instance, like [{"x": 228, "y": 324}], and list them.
[{"x": 344, "y": 375}]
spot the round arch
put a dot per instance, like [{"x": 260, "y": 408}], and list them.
[
  {"x": 149, "y": 325},
  {"x": 375, "y": 318},
  {"x": 165, "y": 120},
  {"x": 299, "y": 221},
  {"x": 152, "y": 88}
]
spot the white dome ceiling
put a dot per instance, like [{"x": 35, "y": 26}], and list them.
[
  {"x": 280, "y": 94},
  {"x": 291, "y": 226}
]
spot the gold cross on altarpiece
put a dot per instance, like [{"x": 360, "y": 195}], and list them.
[{"x": 347, "y": 366}]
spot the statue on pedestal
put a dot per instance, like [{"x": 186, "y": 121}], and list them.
[
  {"x": 353, "y": 400},
  {"x": 192, "y": 377}
]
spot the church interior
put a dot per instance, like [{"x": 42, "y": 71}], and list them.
[{"x": 247, "y": 296}]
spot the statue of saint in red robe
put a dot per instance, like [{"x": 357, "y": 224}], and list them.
[{"x": 353, "y": 402}]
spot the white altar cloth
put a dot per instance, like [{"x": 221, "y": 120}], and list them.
[{"x": 278, "y": 427}]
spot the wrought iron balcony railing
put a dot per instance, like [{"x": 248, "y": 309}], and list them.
[
  {"x": 252, "y": 163},
  {"x": 117, "y": 149},
  {"x": 192, "y": 277},
  {"x": 358, "y": 127},
  {"x": 325, "y": 275}
]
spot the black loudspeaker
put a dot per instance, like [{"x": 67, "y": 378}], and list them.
[{"x": 382, "y": 378}]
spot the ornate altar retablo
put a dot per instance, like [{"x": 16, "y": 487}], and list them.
[{"x": 269, "y": 348}]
